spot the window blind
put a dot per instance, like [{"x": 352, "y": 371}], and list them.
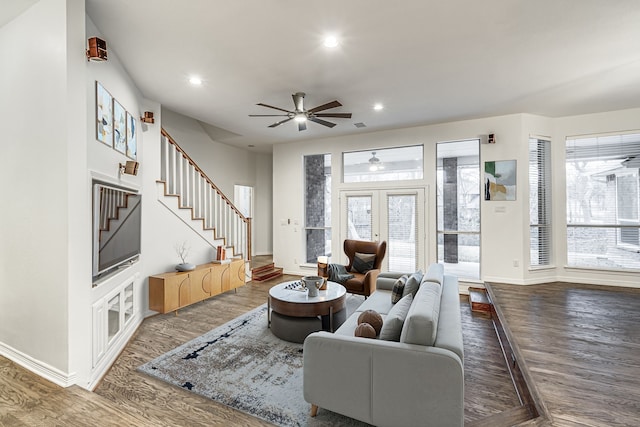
[
  {"x": 539, "y": 202},
  {"x": 603, "y": 201}
]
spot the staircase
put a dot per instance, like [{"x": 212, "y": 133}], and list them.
[{"x": 182, "y": 178}]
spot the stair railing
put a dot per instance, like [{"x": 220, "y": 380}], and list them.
[{"x": 195, "y": 190}]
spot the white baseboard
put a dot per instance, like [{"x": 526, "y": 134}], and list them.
[{"x": 38, "y": 367}]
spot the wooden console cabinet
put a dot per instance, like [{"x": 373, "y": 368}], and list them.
[{"x": 174, "y": 290}]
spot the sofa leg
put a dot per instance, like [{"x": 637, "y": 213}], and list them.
[{"x": 314, "y": 410}]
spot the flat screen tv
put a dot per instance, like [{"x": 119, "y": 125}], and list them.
[{"x": 117, "y": 223}]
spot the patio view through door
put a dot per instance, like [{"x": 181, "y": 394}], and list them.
[{"x": 395, "y": 215}]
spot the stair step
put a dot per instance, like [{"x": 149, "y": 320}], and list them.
[
  {"x": 266, "y": 272},
  {"x": 263, "y": 268},
  {"x": 479, "y": 300}
]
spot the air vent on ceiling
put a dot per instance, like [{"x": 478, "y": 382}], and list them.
[{"x": 360, "y": 125}]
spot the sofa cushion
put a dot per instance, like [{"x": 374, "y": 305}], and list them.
[
  {"x": 435, "y": 273},
  {"x": 392, "y": 326},
  {"x": 379, "y": 301},
  {"x": 421, "y": 324},
  {"x": 413, "y": 283},
  {"x": 362, "y": 263},
  {"x": 398, "y": 289}
]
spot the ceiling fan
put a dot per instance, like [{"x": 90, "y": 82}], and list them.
[{"x": 301, "y": 115}]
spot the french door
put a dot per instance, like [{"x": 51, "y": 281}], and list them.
[{"x": 396, "y": 216}]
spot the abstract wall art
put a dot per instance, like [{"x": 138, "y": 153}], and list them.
[
  {"x": 119, "y": 127},
  {"x": 132, "y": 148},
  {"x": 104, "y": 115},
  {"x": 500, "y": 180}
]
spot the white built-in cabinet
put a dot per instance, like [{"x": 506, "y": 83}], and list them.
[{"x": 112, "y": 315}]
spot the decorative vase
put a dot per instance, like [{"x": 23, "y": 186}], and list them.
[
  {"x": 312, "y": 283},
  {"x": 185, "y": 266}
]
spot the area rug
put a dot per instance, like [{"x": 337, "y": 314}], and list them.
[{"x": 242, "y": 365}]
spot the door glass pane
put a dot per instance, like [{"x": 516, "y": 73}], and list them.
[
  {"x": 113, "y": 307},
  {"x": 359, "y": 224},
  {"x": 402, "y": 229}
]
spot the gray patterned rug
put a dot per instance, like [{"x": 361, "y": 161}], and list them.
[{"x": 242, "y": 365}]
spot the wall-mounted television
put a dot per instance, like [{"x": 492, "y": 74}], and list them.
[{"x": 117, "y": 224}]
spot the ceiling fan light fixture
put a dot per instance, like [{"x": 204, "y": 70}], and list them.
[
  {"x": 330, "y": 41},
  {"x": 375, "y": 164},
  {"x": 300, "y": 117},
  {"x": 378, "y": 107}
]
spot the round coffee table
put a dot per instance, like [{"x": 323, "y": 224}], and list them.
[{"x": 292, "y": 314}]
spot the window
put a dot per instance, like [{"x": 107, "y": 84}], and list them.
[
  {"x": 458, "y": 196},
  {"x": 317, "y": 173},
  {"x": 387, "y": 164},
  {"x": 603, "y": 201},
  {"x": 539, "y": 202}
]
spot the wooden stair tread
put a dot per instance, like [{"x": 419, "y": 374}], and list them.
[{"x": 479, "y": 300}]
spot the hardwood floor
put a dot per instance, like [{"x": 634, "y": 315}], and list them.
[
  {"x": 127, "y": 397},
  {"x": 579, "y": 347}
]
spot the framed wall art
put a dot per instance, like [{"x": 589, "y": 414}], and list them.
[
  {"x": 500, "y": 180},
  {"x": 104, "y": 115},
  {"x": 119, "y": 127},
  {"x": 132, "y": 148}
]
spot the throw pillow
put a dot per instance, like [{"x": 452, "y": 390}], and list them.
[
  {"x": 413, "y": 284},
  {"x": 371, "y": 317},
  {"x": 365, "y": 330},
  {"x": 398, "y": 288},
  {"x": 362, "y": 262},
  {"x": 392, "y": 327}
]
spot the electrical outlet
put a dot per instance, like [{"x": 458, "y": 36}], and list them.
[{"x": 516, "y": 263}]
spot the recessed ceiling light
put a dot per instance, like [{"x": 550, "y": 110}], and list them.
[
  {"x": 330, "y": 41},
  {"x": 196, "y": 81},
  {"x": 378, "y": 107}
]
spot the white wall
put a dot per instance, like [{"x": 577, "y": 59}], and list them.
[
  {"x": 35, "y": 107},
  {"x": 263, "y": 211},
  {"x": 505, "y": 235}
]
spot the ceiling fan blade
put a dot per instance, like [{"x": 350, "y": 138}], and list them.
[
  {"x": 275, "y": 108},
  {"x": 322, "y": 122},
  {"x": 332, "y": 104},
  {"x": 337, "y": 115},
  {"x": 268, "y": 115},
  {"x": 298, "y": 101},
  {"x": 302, "y": 126},
  {"x": 280, "y": 122}
]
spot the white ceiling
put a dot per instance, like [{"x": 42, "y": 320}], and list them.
[{"x": 427, "y": 61}]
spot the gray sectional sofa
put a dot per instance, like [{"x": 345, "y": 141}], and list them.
[{"x": 416, "y": 381}]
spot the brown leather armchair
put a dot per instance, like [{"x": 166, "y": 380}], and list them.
[{"x": 363, "y": 284}]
